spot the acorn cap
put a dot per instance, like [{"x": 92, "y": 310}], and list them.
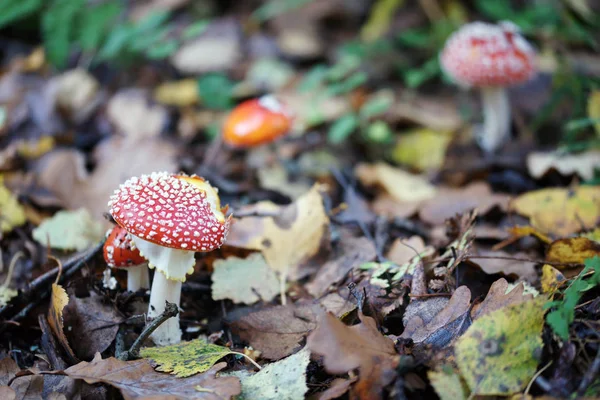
[
  {"x": 255, "y": 122},
  {"x": 482, "y": 54}
]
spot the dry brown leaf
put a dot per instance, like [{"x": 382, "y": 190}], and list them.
[
  {"x": 133, "y": 116},
  {"x": 498, "y": 298},
  {"x": 58, "y": 302},
  {"x": 582, "y": 164},
  {"x": 277, "y": 331},
  {"x": 386, "y": 205},
  {"x": 404, "y": 250},
  {"x": 138, "y": 380},
  {"x": 435, "y": 113},
  {"x": 288, "y": 239},
  {"x": 77, "y": 94},
  {"x": 401, "y": 185},
  {"x": 337, "y": 389},
  {"x": 8, "y": 369},
  {"x": 361, "y": 346},
  {"x": 352, "y": 253},
  {"x": 93, "y": 325},
  {"x": 449, "y": 202},
  {"x": 503, "y": 265}
]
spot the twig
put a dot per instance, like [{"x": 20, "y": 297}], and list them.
[
  {"x": 49, "y": 345},
  {"x": 537, "y": 374},
  {"x": 590, "y": 375},
  {"x": 555, "y": 264},
  {"x": 416, "y": 296},
  {"x": 171, "y": 310}
]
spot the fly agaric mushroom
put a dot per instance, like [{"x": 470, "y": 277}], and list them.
[
  {"x": 252, "y": 123},
  {"x": 119, "y": 253},
  {"x": 169, "y": 218},
  {"x": 257, "y": 121},
  {"x": 491, "y": 58}
]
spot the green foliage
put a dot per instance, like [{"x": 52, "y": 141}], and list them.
[
  {"x": 58, "y": 27},
  {"x": 563, "y": 314},
  {"x": 342, "y": 128},
  {"x": 273, "y": 8},
  {"x": 13, "y": 11},
  {"x": 216, "y": 91}
]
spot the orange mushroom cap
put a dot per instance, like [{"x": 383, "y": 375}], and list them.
[
  {"x": 257, "y": 121},
  {"x": 118, "y": 252}
]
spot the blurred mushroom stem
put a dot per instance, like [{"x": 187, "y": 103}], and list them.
[
  {"x": 137, "y": 278},
  {"x": 164, "y": 290},
  {"x": 496, "y": 119}
]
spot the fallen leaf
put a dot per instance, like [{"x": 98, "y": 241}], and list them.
[
  {"x": 423, "y": 149},
  {"x": 437, "y": 321},
  {"x": 277, "y": 331},
  {"x": 448, "y": 384},
  {"x": 58, "y": 302},
  {"x": 401, "y": 185},
  {"x": 572, "y": 250},
  {"x": 504, "y": 265},
  {"x": 187, "y": 358},
  {"x": 518, "y": 232},
  {"x": 361, "y": 346},
  {"x": 288, "y": 239},
  {"x": 132, "y": 114},
  {"x": 7, "y": 393},
  {"x": 281, "y": 380},
  {"x": 351, "y": 253},
  {"x": 244, "y": 280},
  {"x": 499, "y": 353},
  {"x": 276, "y": 178},
  {"x": 432, "y": 112},
  {"x": 69, "y": 230},
  {"x": 449, "y": 202},
  {"x": 337, "y": 389},
  {"x": 12, "y": 213},
  {"x": 92, "y": 325},
  {"x": 77, "y": 94},
  {"x": 552, "y": 279},
  {"x": 177, "y": 93},
  {"x": 384, "y": 204},
  {"x": 582, "y": 164},
  {"x": 593, "y": 108},
  {"x": 500, "y": 296},
  {"x": 8, "y": 370},
  {"x": 560, "y": 211},
  {"x": 404, "y": 250},
  {"x": 138, "y": 380}
]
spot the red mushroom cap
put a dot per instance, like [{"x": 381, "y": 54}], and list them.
[
  {"x": 118, "y": 252},
  {"x": 482, "y": 54},
  {"x": 255, "y": 122},
  {"x": 177, "y": 211}
]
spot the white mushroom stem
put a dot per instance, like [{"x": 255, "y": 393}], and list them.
[
  {"x": 496, "y": 114},
  {"x": 163, "y": 290},
  {"x": 137, "y": 278}
]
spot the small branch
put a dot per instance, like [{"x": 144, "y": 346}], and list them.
[
  {"x": 248, "y": 358},
  {"x": 171, "y": 310}
]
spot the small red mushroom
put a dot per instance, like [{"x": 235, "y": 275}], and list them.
[
  {"x": 490, "y": 57},
  {"x": 169, "y": 218},
  {"x": 256, "y": 122},
  {"x": 118, "y": 253}
]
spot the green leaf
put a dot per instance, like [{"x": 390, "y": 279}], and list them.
[
  {"x": 377, "y": 105},
  {"x": 57, "y": 28},
  {"x": 418, "y": 76},
  {"x": 379, "y": 132},
  {"x": 187, "y": 358},
  {"x": 116, "y": 42},
  {"x": 341, "y": 129},
  {"x": 418, "y": 38},
  {"x": 343, "y": 68},
  {"x": 162, "y": 50},
  {"x": 273, "y": 8},
  {"x": 195, "y": 29},
  {"x": 497, "y": 9},
  {"x": 354, "y": 81},
  {"x": 95, "y": 23},
  {"x": 13, "y": 11},
  {"x": 313, "y": 78},
  {"x": 216, "y": 91}
]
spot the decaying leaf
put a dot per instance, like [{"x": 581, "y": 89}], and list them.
[
  {"x": 178, "y": 93},
  {"x": 572, "y": 250},
  {"x": 449, "y": 202},
  {"x": 11, "y": 212},
  {"x": 138, "y": 380},
  {"x": 361, "y": 346},
  {"x": 58, "y": 302},
  {"x": 499, "y": 296},
  {"x": 448, "y": 383},
  {"x": 187, "y": 358},
  {"x": 561, "y": 211},
  {"x": 552, "y": 279},
  {"x": 244, "y": 280},
  {"x": 593, "y": 108},
  {"x": 288, "y": 239},
  {"x": 583, "y": 164},
  {"x": 401, "y": 185},
  {"x": 281, "y": 380},
  {"x": 500, "y": 352},
  {"x": 423, "y": 149},
  {"x": 134, "y": 117},
  {"x": 504, "y": 265},
  {"x": 69, "y": 230}
]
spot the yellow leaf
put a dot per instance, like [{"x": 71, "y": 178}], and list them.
[
  {"x": 423, "y": 149},
  {"x": 448, "y": 384},
  {"x": 58, "y": 302},
  {"x": 522, "y": 231},
  {"x": 560, "y": 211},
  {"x": 593, "y": 109},
  {"x": 187, "y": 358},
  {"x": 36, "y": 148},
  {"x": 12, "y": 213},
  {"x": 593, "y": 235},
  {"x": 552, "y": 279},
  {"x": 69, "y": 230},
  {"x": 378, "y": 23},
  {"x": 178, "y": 93},
  {"x": 572, "y": 250},
  {"x": 289, "y": 238},
  {"x": 401, "y": 185},
  {"x": 499, "y": 353}
]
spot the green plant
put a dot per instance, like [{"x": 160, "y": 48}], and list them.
[{"x": 563, "y": 313}]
